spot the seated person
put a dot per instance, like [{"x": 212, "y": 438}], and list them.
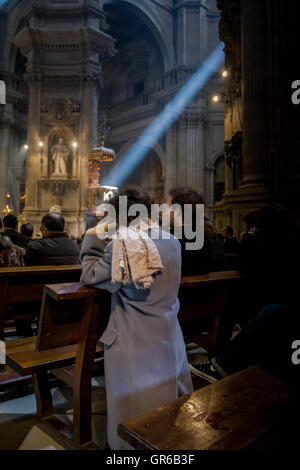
[
  {"x": 10, "y": 223},
  {"x": 219, "y": 261},
  {"x": 231, "y": 245},
  {"x": 266, "y": 340},
  {"x": 272, "y": 263},
  {"x": 11, "y": 255},
  {"x": 55, "y": 247},
  {"x": 27, "y": 231},
  {"x": 145, "y": 358},
  {"x": 193, "y": 261},
  {"x": 273, "y": 280},
  {"x": 249, "y": 242}
]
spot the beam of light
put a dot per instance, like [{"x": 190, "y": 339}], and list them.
[{"x": 129, "y": 162}]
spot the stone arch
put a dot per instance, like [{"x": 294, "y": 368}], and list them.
[
  {"x": 219, "y": 153},
  {"x": 16, "y": 21},
  {"x": 156, "y": 147},
  {"x": 155, "y": 23}
]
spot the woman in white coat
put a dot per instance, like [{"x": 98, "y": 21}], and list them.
[{"x": 145, "y": 357}]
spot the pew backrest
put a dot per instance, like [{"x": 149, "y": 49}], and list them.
[
  {"x": 63, "y": 309},
  {"x": 25, "y": 285}
]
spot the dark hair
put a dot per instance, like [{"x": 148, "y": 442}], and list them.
[
  {"x": 229, "y": 230},
  {"x": 54, "y": 222},
  {"x": 274, "y": 220},
  {"x": 185, "y": 195},
  {"x": 251, "y": 219},
  {"x": 27, "y": 230},
  {"x": 10, "y": 221},
  {"x": 1, "y": 223},
  {"x": 134, "y": 196},
  {"x": 5, "y": 243}
]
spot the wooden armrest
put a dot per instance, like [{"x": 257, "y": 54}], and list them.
[
  {"x": 211, "y": 278},
  {"x": 73, "y": 290}
]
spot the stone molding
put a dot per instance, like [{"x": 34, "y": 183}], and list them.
[
  {"x": 59, "y": 109},
  {"x": 59, "y": 187}
]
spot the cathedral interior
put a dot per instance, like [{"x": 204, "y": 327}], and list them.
[
  {"x": 110, "y": 67},
  {"x": 88, "y": 85}
]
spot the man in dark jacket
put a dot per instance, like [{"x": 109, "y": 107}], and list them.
[
  {"x": 10, "y": 223},
  {"x": 55, "y": 247},
  {"x": 231, "y": 245}
]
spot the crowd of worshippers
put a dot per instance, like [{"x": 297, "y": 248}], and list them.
[
  {"x": 145, "y": 298},
  {"x": 54, "y": 246}
]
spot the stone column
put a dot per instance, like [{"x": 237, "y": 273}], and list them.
[
  {"x": 195, "y": 153},
  {"x": 64, "y": 105},
  {"x": 88, "y": 133},
  {"x": 4, "y": 146},
  {"x": 33, "y": 138},
  {"x": 255, "y": 90},
  {"x": 271, "y": 142},
  {"x": 284, "y": 160},
  {"x": 170, "y": 169},
  {"x": 192, "y": 31},
  {"x": 182, "y": 159},
  {"x": 190, "y": 158}
]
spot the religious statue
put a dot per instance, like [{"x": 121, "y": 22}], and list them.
[{"x": 60, "y": 153}]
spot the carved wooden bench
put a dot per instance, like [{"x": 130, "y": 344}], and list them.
[
  {"x": 71, "y": 322},
  {"x": 72, "y": 314},
  {"x": 239, "y": 412}
]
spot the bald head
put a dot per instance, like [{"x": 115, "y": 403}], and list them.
[{"x": 53, "y": 222}]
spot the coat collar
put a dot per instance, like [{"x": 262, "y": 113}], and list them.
[{"x": 56, "y": 235}]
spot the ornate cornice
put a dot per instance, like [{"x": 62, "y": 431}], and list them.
[
  {"x": 37, "y": 39},
  {"x": 59, "y": 109}
]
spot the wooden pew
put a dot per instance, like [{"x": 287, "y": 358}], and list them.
[
  {"x": 55, "y": 347},
  {"x": 25, "y": 285},
  {"x": 72, "y": 319},
  {"x": 242, "y": 411},
  {"x": 203, "y": 300},
  {"x": 232, "y": 261}
]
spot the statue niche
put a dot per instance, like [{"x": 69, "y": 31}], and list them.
[{"x": 60, "y": 158}]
